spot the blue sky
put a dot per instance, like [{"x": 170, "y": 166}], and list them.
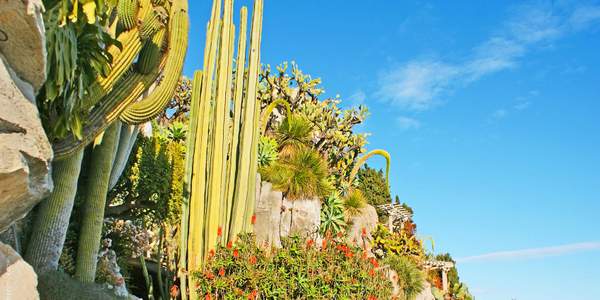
[{"x": 490, "y": 110}]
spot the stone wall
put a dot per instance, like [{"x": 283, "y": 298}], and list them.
[{"x": 24, "y": 147}]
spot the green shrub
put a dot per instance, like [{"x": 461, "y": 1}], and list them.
[
  {"x": 410, "y": 277},
  {"x": 267, "y": 151},
  {"x": 299, "y": 270},
  {"x": 396, "y": 243},
  {"x": 332, "y": 215}
]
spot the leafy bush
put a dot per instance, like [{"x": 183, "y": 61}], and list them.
[
  {"x": 373, "y": 185},
  {"x": 299, "y": 270},
  {"x": 354, "y": 201},
  {"x": 410, "y": 277},
  {"x": 396, "y": 243}
]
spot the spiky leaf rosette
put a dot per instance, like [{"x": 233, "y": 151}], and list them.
[
  {"x": 267, "y": 151},
  {"x": 332, "y": 215}
]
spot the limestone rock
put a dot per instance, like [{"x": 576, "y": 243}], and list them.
[
  {"x": 22, "y": 39},
  {"x": 426, "y": 293},
  {"x": 268, "y": 215},
  {"x": 301, "y": 217},
  {"x": 18, "y": 281},
  {"x": 367, "y": 219},
  {"x": 25, "y": 151}
]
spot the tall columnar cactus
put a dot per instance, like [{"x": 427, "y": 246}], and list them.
[
  {"x": 111, "y": 96},
  {"x": 222, "y": 153}
]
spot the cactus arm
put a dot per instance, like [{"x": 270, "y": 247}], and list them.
[
  {"x": 269, "y": 110},
  {"x": 94, "y": 203},
  {"x": 189, "y": 163},
  {"x": 127, "y": 140},
  {"x": 50, "y": 225},
  {"x": 151, "y": 106},
  {"x": 217, "y": 157},
  {"x": 225, "y": 213},
  {"x": 365, "y": 157},
  {"x": 237, "y": 114},
  {"x": 126, "y": 12},
  {"x": 244, "y": 166}
]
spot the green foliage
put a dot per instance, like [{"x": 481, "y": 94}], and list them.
[
  {"x": 396, "y": 243},
  {"x": 410, "y": 278},
  {"x": 354, "y": 201},
  {"x": 332, "y": 215},
  {"x": 332, "y": 127},
  {"x": 150, "y": 187},
  {"x": 58, "y": 285},
  {"x": 374, "y": 187},
  {"x": 293, "y": 133},
  {"x": 300, "y": 174},
  {"x": 177, "y": 131},
  {"x": 77, "y": 54},
  {"x": 298, "y": 270},
  {"x": 267, "y": 151}
]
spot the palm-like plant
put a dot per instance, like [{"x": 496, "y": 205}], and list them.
[
  {"x": 410, "y": 277},
  {"x": 332, "y": 215},
  {"x": 294, "y": 132},
  {"x": 354, "y": 201},
  {"x": 302, "y": 173},
  {"x": 177, "y": 131}
]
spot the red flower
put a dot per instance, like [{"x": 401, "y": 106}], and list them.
[
  {"x": 208, "y": 297},
  {"x": 253, "y": 295},
  {"x": 374, "y": 262},
  {"x": 364, "y": 255},
  {"x": 324, "y": 244},
  {"x": 211, "y": 253},
  {"x": 221, "y": 272},
  {"x": 364, "y": 232},
  {"x": 219, "y": 231},
  {"x": 309, "y": 243},
  {"x": 253, "y": 220},
  {"x": 372, "y": 273},
  {"x": 371, "y": 297},
  {"x": 236, "y": 253},
  {"x": 252, "y": 260},
  {"x": 174, "y": 291},
  {"x": 349, "y": 254},
  {"x": 229, "y": 245},
  {"x": 209, "y": 275}
]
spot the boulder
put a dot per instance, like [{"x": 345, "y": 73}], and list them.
[
  {"x": 22, "y": 39},
  {"x": 301, "y": 217},
  {"x": 268, "y": 215},
  {"x": 25, "y": 150},
  {"x": 18, "y": 281},
  {"x": 366, "y": 219},
  {"x": 426, "y": 293}
]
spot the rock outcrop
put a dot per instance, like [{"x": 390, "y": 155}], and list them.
[
  {"x": 366, "y": 219},
  {"x": 426, "y": 293},
  {"x": 24, "y": 147},
  {"x": 17, "y": 278},
  {"x": 278, "y": 217}
]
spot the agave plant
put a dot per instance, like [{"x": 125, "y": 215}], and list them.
[
  {"x": 354, "y": 201},
  {"x": 267, "y": 151},
  {"x": 332, "y": 215},
  {"x": 293, "y": 133},
  {"x": 177, "y": 131}
]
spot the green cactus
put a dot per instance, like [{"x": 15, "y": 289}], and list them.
[
  {"x": 126, "y": 13},
  {"x": 220, "y": 151},
  {"x": 153, "y": 21},
  {"x": 151, "y": 52}
]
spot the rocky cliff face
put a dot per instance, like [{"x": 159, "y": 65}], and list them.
[
  {"x": 17, "y": 278},
  {"x": 24, "y": 148}
]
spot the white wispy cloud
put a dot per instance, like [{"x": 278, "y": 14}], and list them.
[
  {"x": 499, "y": 114},
  {"x": 418, "y": 84},
  {"x": 358, "y": 98},
  {"x": 406, "y": 123},
  {"x": 532, "y": 253}
]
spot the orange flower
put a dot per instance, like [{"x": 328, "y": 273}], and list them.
[
  {"x": 252, "y": 260},
  {"x": 174, "y": 291},
  {"x": 374, "y": 262},
  {"x": 309, "y": 243},
  {"x": 371, "y": 297},
  {"x": 236, "y": 253},
  {"x": 229, "y": 245},
  {"x": 349, "y": 254},
  {"x": 221, "y": 272},
  {"x": 253, "y": 295},
  {"x": 208, "y": 297},
  {"x": 364, "y": 255},
  {"x": 219, "y": 231},
  {"x": 211, "y": 253},
  {"x": 364, "y": 232},
  {"x": 253, "y": 220},
  {"x": 372, "y": 273},
  {"x": 324, "y": 244}
]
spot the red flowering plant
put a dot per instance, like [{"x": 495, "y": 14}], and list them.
[{"x": 299, "y": 270}]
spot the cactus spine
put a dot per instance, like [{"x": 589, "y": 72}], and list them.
[{"x": 219, "y": 152}]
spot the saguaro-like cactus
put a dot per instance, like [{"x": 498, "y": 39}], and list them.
[
  {"x": 112, "y": 95},
  {"x": 221, "y": 154}
]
